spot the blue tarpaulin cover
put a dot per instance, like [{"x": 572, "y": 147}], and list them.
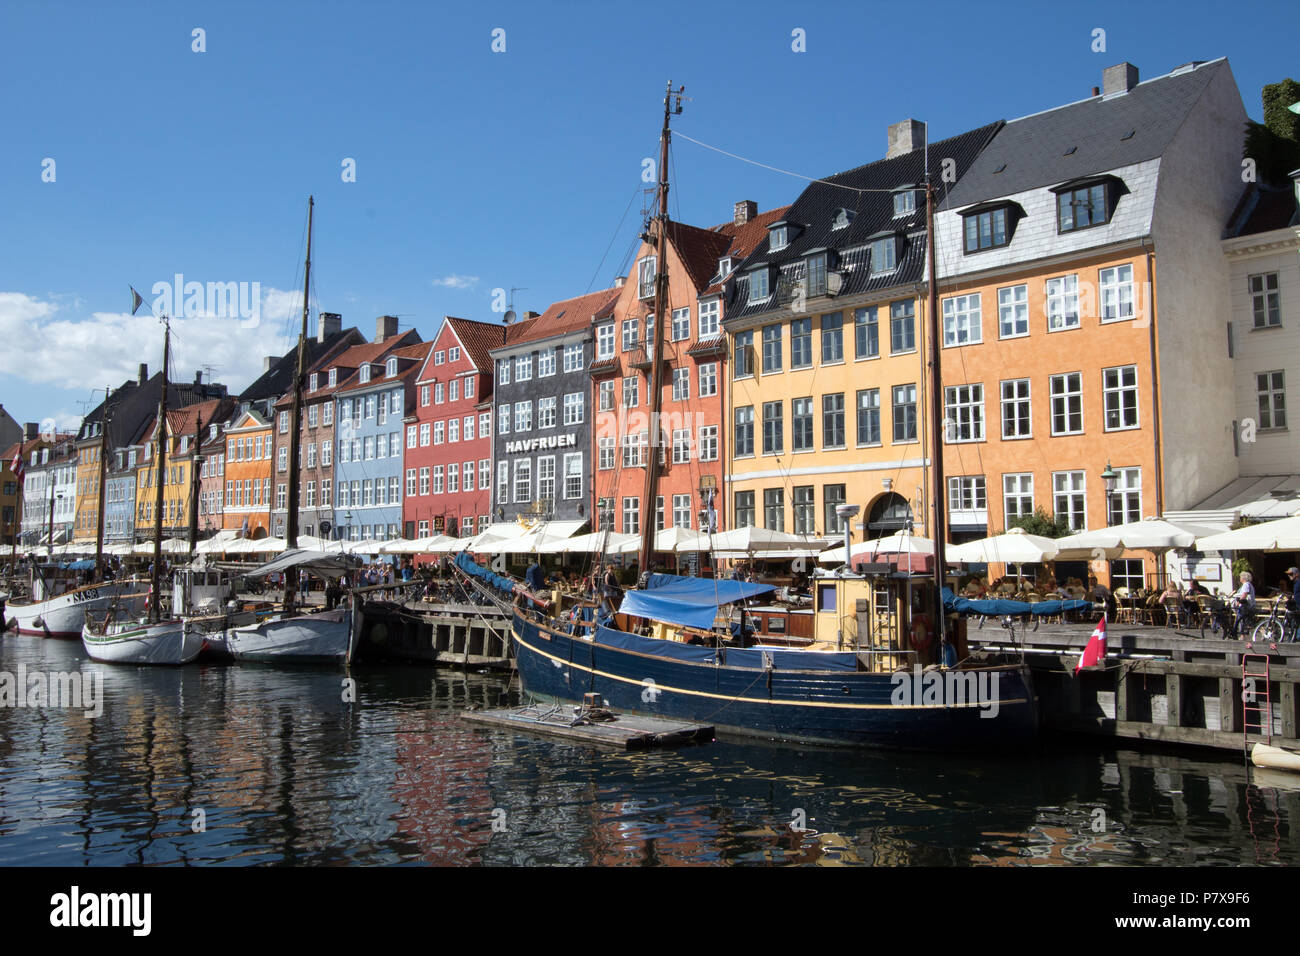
[
  {"x": 1000, "y": 606},
  {"x": 692, "y": 602}
]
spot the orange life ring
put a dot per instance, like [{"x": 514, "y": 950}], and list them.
[{"x": 921, "y": 636}]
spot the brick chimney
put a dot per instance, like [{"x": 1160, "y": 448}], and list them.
[
  {"x": 744, "y": 211},
  {"x": 1119, "y": 78},
  {"x": 144, "y": 373},
  {"x": 905, "y": 137},
  {"x": 620, "y": 281},
  {"x": 531, "y": 315},
  {"x": 267, "y": 362},
  {"x": 385, "y": 327},
  {"x": 327, "y": 324}
]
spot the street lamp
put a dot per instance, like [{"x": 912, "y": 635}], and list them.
[{"x": 1108, "y": 479}]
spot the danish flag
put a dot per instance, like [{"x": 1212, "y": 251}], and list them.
[
  {"x": 16, "y": 466},
  {"x": 1095, "y": 652}
]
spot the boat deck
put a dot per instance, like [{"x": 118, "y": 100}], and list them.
[{"x": 625, "y": 731}]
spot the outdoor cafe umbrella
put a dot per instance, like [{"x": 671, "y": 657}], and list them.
[
  {"x": 1016, "y": 546},
  {"x": 755, "y": 542},
  {"x": 897, "y": 543},
  {"x": 1280, "y": 535},
  {"x": 1150, "y": 534}
]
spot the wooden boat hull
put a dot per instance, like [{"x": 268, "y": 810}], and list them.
[
  {"x": 327, "y": 637},
  {"x": 64, "y": 615},
  {"x": 851, "y": 708},
  {"x": 164, "y": 643},
  {"x": 1275, "y": 758}
]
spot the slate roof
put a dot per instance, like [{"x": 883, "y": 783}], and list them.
[
  {"x": 814, "y": 212},
  {"x": 1263, "y": 208},
  {"x": 1031, "y": 151},
  {"x": 744, "y": 240}
]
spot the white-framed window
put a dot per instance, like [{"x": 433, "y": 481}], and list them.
[
  {"x": 523, "y": 480},
  {"x": 902, "y": 326},
  {"x": 574, "y": 408},
  {"x": 546, "y": 412},
  {"x": 631, "y": 328},
  {"x": 967, "y": 498},
  {"x": 708, "y": 372},
  {"x": 438, "y": 429},
  {"x": 632, "y": 451},
  {"x": 1115, "y": 288},
  {"x": 453, "y": 477},
  {"x": 681, "y": 384},
  {"x": 573, "y": 475},
  {"x": 545, "y": 363},
  {"x": 503, "y": 371},
  {"x": 390, "y": 367},
  {"x": 1124, "y": 504},
  {"x": 326, "y": 493},
  {"x": 1017, "y": 420},
  {"x": 485, "y": 473},
  {"x": 1270, "y": 390},
  {"x": 327, "y": 453},
  {"x": 469, "y": 386},
  {"x": 453, "y": 354},
  {"x": 503, "y": 419},
  {"x": 333, "y": 377},
  {"x": 1120, "y": 389},
  {"x": 606, "y": 395},
  {"x": 779, "y": 238},
  {"x": 424, "y": 435},
  {"x": 1069, "y": 498},
  {"x": 468, "y": 429},
  {"x": 437, "y": 480},
  {"x": 546, "y": 477},
  {"x": 523, "y": 368},
  {"x": 282, "y": 460},
  {"x": 484, "y": 424},
  {"x": 963, "y": 410},
  {"x": 682, "y": 511},
  {"x": 645, "y": 272},
  {"x": 868, "y": 422},
  {"x": 606, "y": 448},
  {"x": 884, "y": 255},
  {"x": 1067, "y": 404},
  {"x": 467, "y": 476},
  {"x": 1265, "y": 302},
  {"x": 438, "y": 393},
  {"x": 523, "y": 416},
  {"x": 962, "y": 322},
  {"x": 313, "y": 416},
  {"x": 410, "y": 482},
  {"x": 681, "y": 446},
  {"x": 439, "y": 357},
  {"x": 573, "y": 358},
  {"x": 453, "y": 390},
  {"x": 327, "y": 414},
  {"x": 631, "y": 515},
  {"x": 605, "y": 340},
  {"x": 363, "y": 373},
  {"x": 631, "y": 389},
  {"x": 758, "y": 285},
  {"x": 370, "y": 405},
  {"x": 1063, "y": 303},
  {"x": 904, "y": 413},
  {"x": 311, "y": 455},
  {"x": 709, "y": 310},
  {"x": 681, "y": 326},
  {"x": 708, "y": 443},
  {"x": 411, "y": 436},
  {"x": 284, "y": 423},
  {"x": 370, "y": 447},
  {"x": 1017, "y": 496},
  {"x": 453, "y": 430},
  {"x": 503, "y": 482},
  {"x": 1013, "y": 311},
  {"x": 424, "y": 481}
]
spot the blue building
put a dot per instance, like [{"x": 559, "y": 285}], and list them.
[{"x": 369, "y": 412}]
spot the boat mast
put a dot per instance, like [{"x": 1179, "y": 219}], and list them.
[
  {"x": 103, "y": 467},
  {"x": 659, "y": 230},
  {"x": 295, "y": 427},
  {"x": 160, "y": 460},
  {"x": 196, "y": 461},
  {"x": 936, "y": 409}
]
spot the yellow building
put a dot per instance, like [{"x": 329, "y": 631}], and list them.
[
  {"x": 826, "y": 398},
  {"x": 184, "y": 426},
  {"x": 89, "y": 449}
]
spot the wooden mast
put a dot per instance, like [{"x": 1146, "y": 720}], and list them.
[
  {"x": 295, "y": 426},
  {"x": 660, "y": 233},
  {"x": 103, "y": 468},
  {"x": 160, "y": 461},
  {"x": 195, "y": 462},
  {"x": 936, "y": 411}
]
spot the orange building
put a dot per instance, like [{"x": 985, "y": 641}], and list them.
[{"x": 249, "y": 467}]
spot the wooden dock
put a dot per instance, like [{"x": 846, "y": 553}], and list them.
[
  {"x": 1159, "y": 684},
  {"x": 459, "y": 635},
  {"x": 624, "y": 731}
]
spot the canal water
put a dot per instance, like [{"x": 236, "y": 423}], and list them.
[{"x": 245, "y": 764}]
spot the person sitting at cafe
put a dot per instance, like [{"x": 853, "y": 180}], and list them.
[
  {"x": 1243, "y": 599},
  {"x": 1100, "y": 594}
]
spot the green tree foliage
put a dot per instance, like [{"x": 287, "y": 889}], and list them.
[
  {"x": 1275, "y": 143},
  {"x": 1042, "y": 524}
]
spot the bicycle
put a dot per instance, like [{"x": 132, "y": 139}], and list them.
[
  {"x": 1226, "y": 620},
  {"x": 1276, "y": 629}
]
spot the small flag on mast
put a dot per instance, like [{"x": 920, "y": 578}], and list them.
[
  {"x": 136, "y": 300},
  {"x": 1095, "y": 652},
  {"x": 16, "y": 466}
]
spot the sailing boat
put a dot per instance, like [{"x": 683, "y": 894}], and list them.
[
  {"x": 290, "y": 636},
  {"x": 662, "y": 653},
  {"x": 150, "y": 640}
]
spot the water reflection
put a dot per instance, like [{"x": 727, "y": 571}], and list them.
[{"x": 248, "y": 764}]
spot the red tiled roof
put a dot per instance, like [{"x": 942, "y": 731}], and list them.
[
  {"x": 567, "y": 315},
  {"x": 479, "y": 338},
  {"x": 744, "y": 239},
  {"x": 349, "y": 361},
  {"x": 419, "y": 352}
]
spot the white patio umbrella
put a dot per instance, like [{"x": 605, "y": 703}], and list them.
[
  {"x": 896, "y": 543},
  {"x": 310, "y": 542},
  {"x": 1280, "y": 535},
  {"x": 679, "y": 540},
  {"x": 414, "y": 546},
  {"x": 597, "y": 542},
  {"x": 448, "y": 545},
  {"x": 1016, "y": 546},
  {"x": 763, "y": 542},
  {"x": 1150, "y": 534}
]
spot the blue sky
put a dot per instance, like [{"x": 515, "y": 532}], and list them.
[{"x": 475, "y": 169}]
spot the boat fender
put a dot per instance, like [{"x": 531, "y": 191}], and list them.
[{"x": 921, "y": 636}]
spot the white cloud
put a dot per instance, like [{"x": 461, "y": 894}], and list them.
[
  {"x": 454, "y": 281},
  {"x": 46, "y": 344}
]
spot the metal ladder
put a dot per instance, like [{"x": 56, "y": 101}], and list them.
[{"x": 1254, "y": 697}]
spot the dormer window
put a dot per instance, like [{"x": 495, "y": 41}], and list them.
[
  {"x": 390, "y": 368},
  {"x": 334, "y": 377},
  {"x": 645, "y": 270},
  {"x": 212, "y": 432},
  {"x": 989, "y": 227},
  {"x": 759, "y": 288},
  {"x": 312, "y": 382},
  {"x": 725, "y": 266},
  {"x": 842, "y": 218},
  {"x": 816, "y": 273},
  {"x": 905, "y": 201},
  {"x": 884, "y": 255},
  {"x": 364, "y": 373},
  {"x": 1082, "y": 204},
  {"x": 780, "y": 238}
]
